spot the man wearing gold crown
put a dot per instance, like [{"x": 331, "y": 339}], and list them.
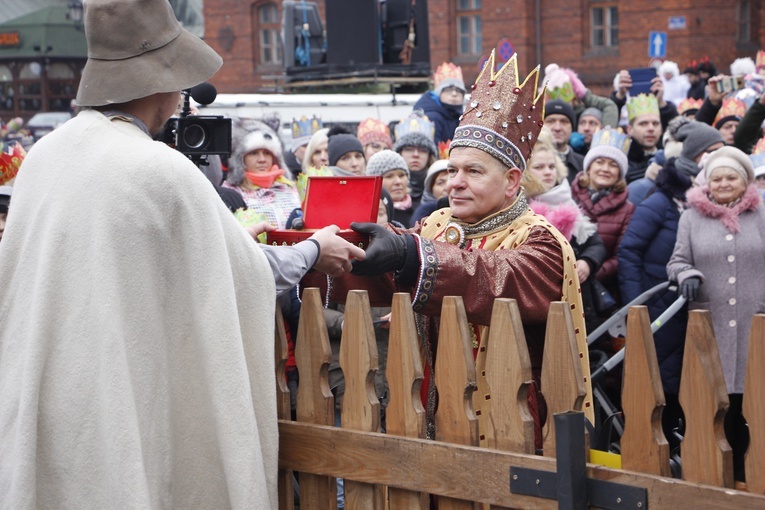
[{"x": 488, "y": 244}]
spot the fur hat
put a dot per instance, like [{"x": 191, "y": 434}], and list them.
[
  {"x": 384, "y": 161},
  {"x": 669, "y": 67},
  {"x": 416, "y": 139},
  {"x": 697, "y": 137},
  {"x": 252, "y": 135},
  {"x": 340, "y": 144},
  {"x": 137, "y": 48},
  {"x": 733, "y": 158},
  {"x": 742, "y": 66}
]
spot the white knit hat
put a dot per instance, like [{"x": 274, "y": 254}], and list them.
[{"x": 385, "y": 161}]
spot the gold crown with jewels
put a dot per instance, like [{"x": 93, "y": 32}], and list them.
[{"x": 503, "y": 118}]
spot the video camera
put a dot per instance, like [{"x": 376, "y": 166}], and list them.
[{"x": 198, "y": 136}]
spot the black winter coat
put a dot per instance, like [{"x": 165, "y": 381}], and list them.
[{"x": 446, "y": 117}]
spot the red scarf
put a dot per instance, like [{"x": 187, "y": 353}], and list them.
[{"x": 264, "y": 179}]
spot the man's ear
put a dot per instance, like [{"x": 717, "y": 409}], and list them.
[
  {"x": 628, "y": 129},
  {"x": 513, "y": 178}
]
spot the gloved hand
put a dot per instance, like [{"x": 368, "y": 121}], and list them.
[
  {"x": 386, "y": 251},
  {"x": 690, "y": 288}
]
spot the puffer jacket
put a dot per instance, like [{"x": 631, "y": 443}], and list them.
[
  {"x": 643, "y": 254},
  {"x": 612, "y": 213}
]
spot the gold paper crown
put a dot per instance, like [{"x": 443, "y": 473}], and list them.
[
  {"x": 759, "y": 63},
  {"x": 612, "y": 138},
  {"x": 689, "y": 104},
  {"x": 731, "y": 107},
  {"x": 642, "y": 104},
  {"x": 503, "y": 118},
  {"x": 374, "y": 130},
  {"x": 447, "y": 71}
]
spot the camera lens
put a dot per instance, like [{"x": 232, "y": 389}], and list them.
[{"x": 194, "y": 136}]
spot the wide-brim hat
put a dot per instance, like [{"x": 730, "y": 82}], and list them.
[{"x": 137, "y": 48}]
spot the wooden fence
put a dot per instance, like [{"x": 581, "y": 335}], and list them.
[{"x": 398, "y": 469}]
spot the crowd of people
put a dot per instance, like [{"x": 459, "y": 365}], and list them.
[{"x": 139, "y": 293}]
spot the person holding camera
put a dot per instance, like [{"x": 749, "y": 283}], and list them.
[{"x": 137, "y": 332}]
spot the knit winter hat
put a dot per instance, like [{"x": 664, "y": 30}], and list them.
[
  {"x": 592, "y": 112},
  {"x": 733, "y": 158},
  {"x": 416, "y": 139},
  {"x": 385, "y": 161},
  {"x": 609, "y": 143},
  {"x": 697, "y": 137},
  {"x": 435, "y": 169},
  {"x": 341, "y": 144},
  {"x": 562, "y": 108}
]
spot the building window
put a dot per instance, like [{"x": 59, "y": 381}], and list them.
[
  {"x": 469, "y": 27},
  {"x": 744, "y": 21},
  {"x": 269, "y": 30},
  {"x": 604, "y": 26}
]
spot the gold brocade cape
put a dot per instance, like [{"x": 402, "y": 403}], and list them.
[{"x": 511, "y": 236}]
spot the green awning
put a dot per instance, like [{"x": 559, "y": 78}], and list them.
[{"x": 44, "y": 33}]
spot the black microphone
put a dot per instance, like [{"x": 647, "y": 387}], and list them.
[{"x": 204, "y": 93}]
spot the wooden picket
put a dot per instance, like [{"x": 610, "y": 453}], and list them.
[
  {"x": 454, "y": 467},
  {"x": 754, "y": 406},
  {"x": 405, "y": 413},
  {"x": 283, "y": 408},
  {"x": 707, "y": 456},
  {"x": 643, "y": 445}
]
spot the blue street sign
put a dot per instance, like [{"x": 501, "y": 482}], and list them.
[
  {"x": 677, "y": 23},
  {"x": 657, "y": 44}
]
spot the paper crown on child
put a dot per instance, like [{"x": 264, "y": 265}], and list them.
[
  {"x": 503, "y": 118},
  {"x": 689, "y": 105},
  {"x": 448, "y": 75},
  {"x": 642, "y": 104},
  {"x": 731, "y": 109},
  {"x": 303, "y": 129},
  {"x": 11, "y": 157},
  {"x": 759, "y": 62},
  {"x": 416, "y": 122},
  {"x": 374, "y": 130}
]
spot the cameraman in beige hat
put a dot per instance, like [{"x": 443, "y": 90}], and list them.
[{"x": 137, "y": 329}]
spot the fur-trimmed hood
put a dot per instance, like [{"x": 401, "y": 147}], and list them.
[
  {"x": 247, "y": 136},
  {"x": 698, "y": 198}
]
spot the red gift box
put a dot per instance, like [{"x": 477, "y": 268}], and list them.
[{"x": 335, "y": 201}]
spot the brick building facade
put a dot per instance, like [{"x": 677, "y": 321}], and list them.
[{"x": 594, "y": 37}]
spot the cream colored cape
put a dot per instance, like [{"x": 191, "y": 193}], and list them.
[
  {"x": 514, "y": 235},
  {"x": 136, "y": 333}
]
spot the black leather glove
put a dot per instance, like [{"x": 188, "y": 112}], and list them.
[
  {"x": 386, "y": 251},
  {"x": 690, "y": 287}
]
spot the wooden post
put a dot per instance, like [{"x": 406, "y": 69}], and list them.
[
  {"x": 644, "y": 447},
  {"x": 360, "y": 408},
  {"x": 754, "y": 406},
  {"x": 510, "y": 426},
  {"x": 315, "y": 403},
  {"x": 283, "y": 408},
  {"x": 455, "y": 381},
  {"x": 562, "y": 382},
  {"x": 405, "y": 415},
  {"x": 707, "y": 456}
]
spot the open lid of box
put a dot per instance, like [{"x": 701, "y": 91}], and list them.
[{"x": 341, "y": 201}]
